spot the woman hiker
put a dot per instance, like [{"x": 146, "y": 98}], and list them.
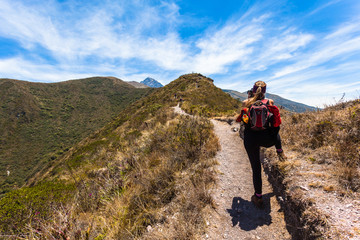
[{"x": 255, "y": 137}]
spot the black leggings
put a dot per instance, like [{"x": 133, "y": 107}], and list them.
[{"x": 253, "y": 140}]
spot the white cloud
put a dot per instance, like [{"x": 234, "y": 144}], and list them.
[
  {"x": 136, "y": 39},
  {"x": 18, "y": 68},
  {"x": 26, "y": 25},
  {"x": 277, "y": 49},
  {"x": 320, "y": 8},
  {"x": 226, "y": 46},
  {"x": 319, "y": 85},
  {"x": 100, "y": 34},
  {"x": 340, "y": 43}
]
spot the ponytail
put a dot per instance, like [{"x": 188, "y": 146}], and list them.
[{"x": 258, "y": 95}]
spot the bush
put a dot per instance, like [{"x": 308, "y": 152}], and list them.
[
  {"x": 321, "y": 133},
  {"x": 331, "y": 135},
  {"x": 29, "y": 204},
  {"x": 173, "y": 149}
]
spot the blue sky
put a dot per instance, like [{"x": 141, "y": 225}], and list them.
[{"x": 307, "y": 51}]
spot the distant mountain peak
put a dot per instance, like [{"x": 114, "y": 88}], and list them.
[
  {"x": 279, "y": 101},
  {"x": 151, "y": 82}
]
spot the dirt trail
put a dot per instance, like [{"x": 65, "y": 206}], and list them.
[{"x": 236, "y": 217}]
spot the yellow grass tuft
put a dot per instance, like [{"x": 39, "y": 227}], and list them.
[{"x": 329, "y": 188}]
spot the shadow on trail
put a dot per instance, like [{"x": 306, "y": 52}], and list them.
[{"x": 247, "y": 216}]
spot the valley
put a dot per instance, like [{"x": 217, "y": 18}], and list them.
[{"x": 41, "y": 121}]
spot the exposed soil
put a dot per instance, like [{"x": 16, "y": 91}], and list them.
[
  {"x": 235, "y": 216},
  {"x": 326, "y": 211},
  {"x": 314, "y": 208}
]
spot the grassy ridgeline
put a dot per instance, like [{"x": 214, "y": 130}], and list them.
[
  {"x": 147, "y": 167},
  {"x": 41, "y": 121}
]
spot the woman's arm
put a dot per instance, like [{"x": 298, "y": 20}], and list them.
[{"x": 271, "y": 102}]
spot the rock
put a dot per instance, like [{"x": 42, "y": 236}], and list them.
[
  {"x": 149, "y": 228},
  {"x": 235, "y": 129}
]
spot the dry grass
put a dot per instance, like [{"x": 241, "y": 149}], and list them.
[
  {"x": 157, "y": 186},
  {"x": 332, "y": 136},
  {"x": 177, "y": 182},
  {"x": 144, "y": 175},
  {"x": 322, "y": 173}
]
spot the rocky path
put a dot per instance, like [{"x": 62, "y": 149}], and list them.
[{"x": 235, "y": 216}]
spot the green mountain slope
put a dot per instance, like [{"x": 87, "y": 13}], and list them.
[
  {"x": 279, "y": 101},
  {"x": 198, "y": 96},
  {"x": 148, "y": 166},
  {"x": 41, "y": 121}
]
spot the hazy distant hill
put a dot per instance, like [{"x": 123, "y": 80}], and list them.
[
  {"x": 137, "y": 84},
  {"x": 151, "y": 83},
  {"x": 40, "y": 121},
  {"x": 279, "y": 101}
]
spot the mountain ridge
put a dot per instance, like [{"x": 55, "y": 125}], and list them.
[
  {"x": 279, "y": 101},
  {"x": 151, "y": 83},
  {"x": 36, "y": 116},
  {"x": 137, "y": 158}
]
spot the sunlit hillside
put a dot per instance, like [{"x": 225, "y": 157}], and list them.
[
  {"x": 320, "y": 179},
  {"x": 41, "y": 121},
  {"x": 149, "y": 166},
  {"x": 147, "y": 173}
]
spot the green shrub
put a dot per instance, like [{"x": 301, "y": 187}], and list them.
[{"x": 28, "y": 204}]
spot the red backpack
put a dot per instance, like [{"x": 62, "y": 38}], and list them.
[{"x": 259, "y": 115}]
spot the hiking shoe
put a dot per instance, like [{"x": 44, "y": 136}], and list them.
[
  {"x": 259, "y": 202},
  {"x": 282, "y": 156}
]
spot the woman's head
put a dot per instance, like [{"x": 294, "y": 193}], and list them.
[
  {"x": 258, "y": 90},
  {"x": 261, "y": 85}
]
